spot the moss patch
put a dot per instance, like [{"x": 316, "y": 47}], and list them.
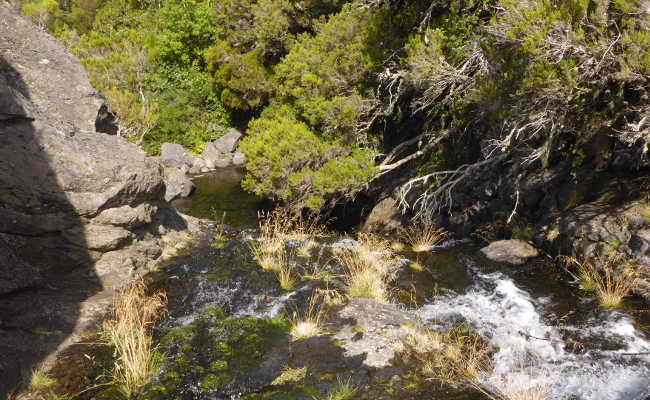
[{"x": 217, "y": 352}]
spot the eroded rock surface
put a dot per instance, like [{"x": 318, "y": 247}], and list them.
[
  {"x": 373, "y": 330},
  {"x": 81, "y": 212},
  {"x": 177, "y": 184}
]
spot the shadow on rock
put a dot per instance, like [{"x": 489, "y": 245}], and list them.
[{"x": 80, "y": 210}]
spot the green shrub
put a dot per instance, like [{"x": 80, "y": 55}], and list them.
[
  {"x": 321, "y": 71},
  {"x": 287, "y": 161},
  {"x": 243, "y": 81},
  {"x": 42, "y": 12},
  {"x": 183, "y": 31}
]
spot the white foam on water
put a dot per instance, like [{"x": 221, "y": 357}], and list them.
[{"x": 531, "y": 352}]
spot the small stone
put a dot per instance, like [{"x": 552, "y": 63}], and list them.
[{"x": 514, "y": 251}]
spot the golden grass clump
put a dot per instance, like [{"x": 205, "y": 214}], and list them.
[
  {"x": 460, "y": 357},
  {"x": 288, "y": 224},
  {"x": 366, "y": 283},
  {"x": 269, "y": 253},
  {"x": 40, "y": 380},
  {"x": 455, "y": 357},
  {"x": 423, "y": 236},
  {"x": 285, "y": 276},
  {"x": 310, "y": 322},
  {"x": 306, "y": 249},
  {"x": 613, "y": 281},
  {"x": 367, "y": 266},
  {"x": 331, "y": 297},
  {"x": 129, "y": 333}
]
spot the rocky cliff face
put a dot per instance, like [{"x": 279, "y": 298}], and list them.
[{"x": 80, "y": 211}]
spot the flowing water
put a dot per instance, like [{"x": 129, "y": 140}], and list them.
[{"x": 225, "y": 337}]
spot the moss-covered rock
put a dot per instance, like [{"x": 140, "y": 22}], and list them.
[{"x": 217, "y": 356}]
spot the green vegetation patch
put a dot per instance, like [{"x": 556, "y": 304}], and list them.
[{"x": 215, "y": 355}]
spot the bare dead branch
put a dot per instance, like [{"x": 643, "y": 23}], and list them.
[
  {"x": 438, "y": 193},
  {"x": 419, "y": 153}
]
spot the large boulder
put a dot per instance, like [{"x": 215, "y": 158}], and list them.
[
  {"x": 177, "y": 184},
  {"x": 220, "y": 153},
  {"x": 384, "y": 217},
  {"x": 214, "y": 158},
  {"x": 228, "y": 142},
  {"x": 238, "y": 159},
  {"x": 514, "y": 251},
  {"x": 372, "y": 330},
  {"x": 9, "y": 264},
  {"x": 127, "y": 216},
  {"x": 57, "y": 172},
  {"x": 69, "y": 195},
  {"x": 175, "y": 155},
  {"x": 640, "y": 242}
]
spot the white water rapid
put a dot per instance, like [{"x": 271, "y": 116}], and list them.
[{"x": 534, "y": 353}]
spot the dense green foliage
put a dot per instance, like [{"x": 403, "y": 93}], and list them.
[
  {"x": 327, "y": 86},
  {"x": 148, "y": 61}
]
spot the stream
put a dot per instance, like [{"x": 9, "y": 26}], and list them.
[{"x": 226, "y": 333}]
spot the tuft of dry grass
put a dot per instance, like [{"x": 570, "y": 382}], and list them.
[
  {"x": 460, "y": 357},
  {"x": 331, "y": 297},
  {"x": 269, "y": 253},
  {"x": 288, "y": 224},
  {"x": 129, "y": 333},
  {"x": 309, "y": 323},
  {"x": 507, "y": 390},
  {"x": 423, "y": 236},
  {"x": 285, "y": 276},
  {"x": 306, "y": 249},
  {"x": 317, "y": 270},
  {"x": 612, "y": 281},
  {"x": 40, "y": 380},
  {"x": 366, "y": 283},
  {"x": 367, "y": 266},
  {"x": 455, "y": 357}
]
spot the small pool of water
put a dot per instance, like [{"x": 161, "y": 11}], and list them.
[{"x": 219, "y": 196}]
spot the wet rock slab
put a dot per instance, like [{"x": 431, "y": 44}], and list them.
[{"x": 373, "y": 330}]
